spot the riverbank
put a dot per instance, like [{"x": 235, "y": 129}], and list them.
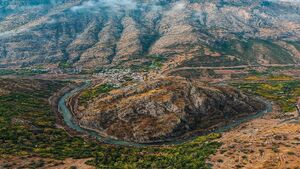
[
  {"x": 54, "y": 102},
  {"x": 67, "y": 108}
]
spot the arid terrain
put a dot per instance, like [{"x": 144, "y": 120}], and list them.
[
  {"x": 271, "y": 141},
  {"x": 139, "y": 84},
  {"x": 268, "y": 142}
]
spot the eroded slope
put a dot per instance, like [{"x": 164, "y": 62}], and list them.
[{"x": 164, "y": 109}]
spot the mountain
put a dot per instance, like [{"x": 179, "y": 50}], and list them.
[{"x": 100, "y": 33}]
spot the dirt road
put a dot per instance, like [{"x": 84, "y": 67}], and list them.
[{"x": 226, "y": 67}]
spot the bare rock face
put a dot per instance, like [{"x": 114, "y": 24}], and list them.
[
  {"x": 93, "y": 33},
  {"x": 164, "y": 109},
  {"x": 129, "y": 43},
  {"x": 103, "y": 51}
]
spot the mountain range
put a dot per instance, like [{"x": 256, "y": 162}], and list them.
[{"x": 128, "y": 33}]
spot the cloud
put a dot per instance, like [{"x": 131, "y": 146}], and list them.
[
  {"x": 179, "y": 6},
  {"x": 84, "y": 5},
  {"x": 118, "y": 5},
  {"x": 112, "y": 4}
]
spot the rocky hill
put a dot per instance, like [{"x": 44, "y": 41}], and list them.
[
  {"x": 164, "y": 109},
  {"x": 95, "y": 33}
]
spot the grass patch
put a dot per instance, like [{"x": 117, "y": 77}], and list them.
[
  {"x": 22, "y": 72},
  {"x": 89, "y": 94},
  {"x": 263, "y": 77},
  {"x": 192, "y": 155},
  {"x": 284, "y": 93},
  {"x": 155, "y": 62}
]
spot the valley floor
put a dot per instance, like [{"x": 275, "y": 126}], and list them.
[{"x": 270, "y": 142}]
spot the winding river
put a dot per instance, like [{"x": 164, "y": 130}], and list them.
[{"x": 68, "y": 119}]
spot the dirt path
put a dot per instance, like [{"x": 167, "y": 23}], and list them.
[
  {"x": 270, "y": 142},
  {"x": 78, "y": 163}
]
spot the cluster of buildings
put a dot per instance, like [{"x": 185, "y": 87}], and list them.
[{"x": 117, "y": 76}]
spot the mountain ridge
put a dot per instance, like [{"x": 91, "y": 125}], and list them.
[{"x": 105, "y": 33}]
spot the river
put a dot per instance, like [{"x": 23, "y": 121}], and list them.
[{"x": 68, "y": 119}]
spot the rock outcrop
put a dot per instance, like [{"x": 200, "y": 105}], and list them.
[{"x": 164, "y": 109}]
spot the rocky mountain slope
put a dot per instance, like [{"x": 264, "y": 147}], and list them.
[
  {"x": 95, "y": 33},
  {"x": 164, "y": 109}
]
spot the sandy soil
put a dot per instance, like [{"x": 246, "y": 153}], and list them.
[
  {"x": 43, "y": 163},
  {"x": 79, "y": 163},
  {"x": 3, "y": 92},
  {"x": 269, "y": 142}
]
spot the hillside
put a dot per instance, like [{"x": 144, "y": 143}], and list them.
[
  {"x": 97, "y": 33},
  {"x": 163, "y": 110}
]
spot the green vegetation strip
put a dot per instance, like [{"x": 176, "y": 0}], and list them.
[
  {"x": 285, "y": 93},
  {"x": 155, "y": 62},
  {"x": 22, "y": 72},
  {"x": 27, "y": 127},
  {"x": 89, "y": 94}
]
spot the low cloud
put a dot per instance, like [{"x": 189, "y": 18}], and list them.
[
  {"x": 112, "y": 4},
  {"x": 119, "y": 5},
  {"x": 179, "y": 6}
]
